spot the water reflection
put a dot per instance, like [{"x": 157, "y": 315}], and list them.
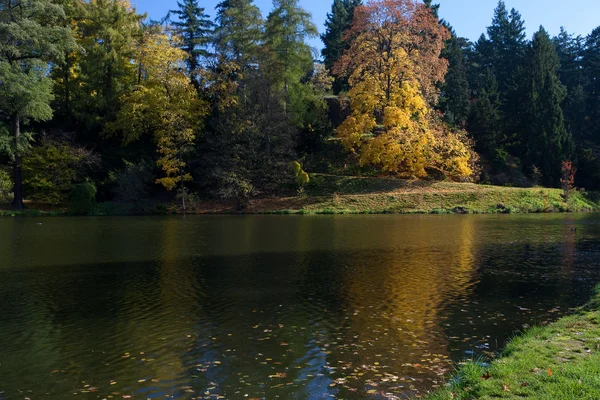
[{"x": 275, "y": 307}]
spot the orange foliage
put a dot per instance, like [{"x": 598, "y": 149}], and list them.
[{"x": 393, "y": 67}]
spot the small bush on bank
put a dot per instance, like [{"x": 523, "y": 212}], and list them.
[
  {"x": 6, "y": 187},
  {"x": 83, "y": 199}
]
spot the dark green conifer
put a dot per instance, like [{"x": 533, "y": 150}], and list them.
[
  {"x": 339, "y": 20},
  {"x": 194, "y": 27},
  {"x": 544, "y": 140}
]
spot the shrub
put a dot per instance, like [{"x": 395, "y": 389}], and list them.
[
  {"x": 51, "y": 169},
  {"x": 6, "y": 187},
  {"x": 233, "y": 186},
  {"x": 567, "y": 180},
  {"x": 132, "y": 182},
  {"x": 302, "y": 178},
  {"x": 83, "y": 198},
  {"x": 188, "y": 199}
]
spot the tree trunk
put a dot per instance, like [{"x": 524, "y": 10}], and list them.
[{"x": 17, "y": 203}]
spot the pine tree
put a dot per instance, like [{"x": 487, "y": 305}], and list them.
[
  {"x": 455, "y": 98},
  {"x": 239, "y": 31},
  {"x": 339, "y": 20},
  {"x": 434, "y": 8},
  {"x": 570, "y": 53},
  {"x": 507, "y": 42},
  {"x": 484, "y": 119},
  {"x": 103, "y": 71},
  {"x": 33, "y": 34},
  {"x": 291, "y": 58},
  {"x": 591, "y": 65},
  {"x": 194, "y": 27},
  {"x": 545, "y": 141}
]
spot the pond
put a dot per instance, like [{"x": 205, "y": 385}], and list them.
[{"x": 275, "y": 307}]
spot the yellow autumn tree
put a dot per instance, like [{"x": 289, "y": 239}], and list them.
[
  {"x": 164, "y": 103},
  {"x": 393, "y": 66}
]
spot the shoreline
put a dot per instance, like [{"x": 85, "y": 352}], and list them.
[
  {"x": 557, "y": 361},
  {"x": 357, "y": 195}
]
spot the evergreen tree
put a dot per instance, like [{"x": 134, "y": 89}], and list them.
[
  {"x": 290, "y": 57},
  {"x": 103, "y": 71},
  {"x": 434, "y": 8},
  {"x": 484, "y": 119},
  {"x": 455, "y": 98},
  {"x": 570, "y": 53},
  {"x": 33, "y": 34},
  {"x": 339, "y": 20},
  {"x": 239, "y": 31},
  {"x": 194, "y": 27},
  {"x": 545, "y": 141},
  {"x": 591, "y": 65},
  {"x": 508, "y": 43}
]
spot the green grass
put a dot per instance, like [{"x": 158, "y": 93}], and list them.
[
  {"x": 558, "y": 361},
  {"x": 32, "y": 213},
  {"x": 330, "y": 194}
]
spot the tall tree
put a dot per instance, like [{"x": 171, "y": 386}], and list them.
[
  {"x": 591, "y": 65},
  {"x": 195, "y": 28},
  {"x": 164, "y": 104},
  {"x": 33, "y": 34},
  {"x": 455, "y": 98},
  {"x": 571, "y": 73},
  {"x": 570, "y": 53},
  {"x": 484, "y": 118},
  {"x": 394, "y": 65},
  {"x": 290, "y": 59},
  {"x": 545, "y": 141},
  {"x": 92, "y": 82},
  {"x": 239, "y": 31},
  {"x": 339, "y": 20},
  {"x": 508, "y": 43}
]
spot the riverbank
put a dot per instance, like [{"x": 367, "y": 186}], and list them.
[
  {"x": 380, "y": 196},
  {"x": 327, "y": 194},
  {"x": 560, "y": 361}
]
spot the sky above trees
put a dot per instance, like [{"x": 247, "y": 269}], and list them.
[{"x": 468, "y": 17}]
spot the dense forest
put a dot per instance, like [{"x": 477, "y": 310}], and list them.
[{"x": 100, "y": 103}]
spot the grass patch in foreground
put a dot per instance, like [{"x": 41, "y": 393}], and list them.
[{"x": 559, "y": 362}]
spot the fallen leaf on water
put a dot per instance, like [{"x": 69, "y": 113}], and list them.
[{"x": 278, "y": 375}]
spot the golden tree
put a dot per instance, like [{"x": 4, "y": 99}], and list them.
[
  {"x": 394, "y": 66},
  {"x": 163, "y": 103}
]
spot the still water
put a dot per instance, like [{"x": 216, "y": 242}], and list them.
[{"x": 275, "y": 307}]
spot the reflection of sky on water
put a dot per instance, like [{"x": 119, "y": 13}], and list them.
[{"x": 276, "y": 307}]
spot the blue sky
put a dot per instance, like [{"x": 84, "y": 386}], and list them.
[{"x": 468, "y": 17}]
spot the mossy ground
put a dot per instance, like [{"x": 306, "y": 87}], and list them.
[{"x": 560, "y": 361}]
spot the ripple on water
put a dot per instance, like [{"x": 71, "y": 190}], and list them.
[{"x": 335, "y": 307}]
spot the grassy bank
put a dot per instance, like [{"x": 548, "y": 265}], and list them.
[
  {"x": 358, "y": 195},
  {"x": 560, "y": 361},
  {"x": 328, "y": 194}
]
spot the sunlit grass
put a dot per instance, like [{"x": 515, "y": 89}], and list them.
[{"x": 559, "y": 361}]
